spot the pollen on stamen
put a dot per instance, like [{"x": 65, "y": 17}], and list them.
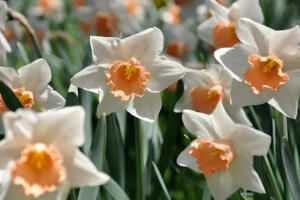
[{"x": 129, "y": 71}]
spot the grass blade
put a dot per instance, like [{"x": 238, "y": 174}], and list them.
[
  {"x": 97, "y": 155},
  {"x": 161, "y": 181},
  {"x": 115, "y": 190},
  {"x": 115, "y": 150}
]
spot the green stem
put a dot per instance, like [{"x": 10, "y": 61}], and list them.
[
  {"x": 22, "y": 20},
  {"x": 139, "y": 161},
  {"x": 267, "y": 165}
]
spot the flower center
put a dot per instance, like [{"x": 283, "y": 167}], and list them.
[
  {"x": 105, "y": 24},
  {"x": 212, "y": 156},
  {"x": 206, "y": 99},
  {"x": 182, "y": 2},
  {"x": 39, "y": 170},
  {"x": 132, "y": 6},
  {"x": 127, "y": 78},
  {"x": 47, "y": 5},
  {"x": 25, "y": 96},
  {"x": 265, "y": 72},
  {"x": 176, "y": 49},
  {"x": 225, "y": 35}
]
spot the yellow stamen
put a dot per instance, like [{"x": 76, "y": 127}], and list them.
[
  {"x": 39, "y": 158},
  {"x": 212, "y": 94},
  {"x": 129, "y": 71},
  {"x": 270, "y": 66}
]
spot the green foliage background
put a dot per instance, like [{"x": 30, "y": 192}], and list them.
[{"x": 127, "y": 149}]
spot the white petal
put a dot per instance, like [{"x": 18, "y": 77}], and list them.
[
  {"x": 61, "y": 125},
  {"x": 194, "y": 78},
  {"x": 235, "y": 59},
  {"x": 90, "y": 78},
  {"x": 186, "y": 160},
  {"x": 143, "y": 46},
  {"x": 222, "y": 122},
  {"x": 222, "y": 184},
  {"x": 147, "y": 107},
  {"x": 249, "y": 140},
  {"x": 205, "y": 29},
  {"x": 4, "y": 43},
  {"x": 185, "y": 102},
  {"x": 253, "y": 34},
  {"x": 19, "y": 125},
  {"x": 237, "y": 114},
  {"x": 249, "y": 179},
  {"x": 10, "y": 151},
  {"x": 285, "y": 44},
  {"x": 108, "y": 103},
  {"x": 49, "y": 99},
  {"x": 104, "y": 49},
  {"x": 242, "y": 95},
  {"x": 163, "y": 72},
  {"x": 35, "y": 76},
  {"x": 82, "y": 172},
  {"x": 3, "y": 13},
  {"x": 286, "y": 98},
  {"x": 9, "y": 191},
  {"x": 201, "y": 125},
  {"x": 217, "y": 10},
  {"x": 248, "y": 9},
  {"x": 7, "y": 75}
]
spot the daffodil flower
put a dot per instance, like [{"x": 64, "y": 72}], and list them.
[
  {"x": 265, "y": 67},
  {"x": 204, "y": 89},
  {"x": 129, "y": 74},
  {"x": 182, "y": 48},
  {"x": 223, "y": 151},
  {"x": 40, "y": 155},
  {"x": 219, "y": 30},
  {"x": 30, "y": 84},
  {"x": 49, "y": 8}
]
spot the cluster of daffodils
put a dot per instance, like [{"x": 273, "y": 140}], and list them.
[{"x": 40, "y": 156}]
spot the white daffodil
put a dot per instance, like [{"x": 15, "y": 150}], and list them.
[
  {"x": 30, "y": 84},
  {"x": 182, "y": 48},
  {"x": 40, "y": 155},
  {"x": 4, "y": 45},
  {"x": 223, "y": 151},
  {"x": 266, "y": 67},
  {"x": 49, "y": 8},
  {"x": 204, "y": 89},
  {"x": 219, "y": 30},
  {"x": 129, "y": 74}
]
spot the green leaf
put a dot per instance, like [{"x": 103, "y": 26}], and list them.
[
  {"x": 115, "y": 153},
  {"x": 97, "y": 155},
  {"x": 161, "y": 181},
  {"x": 72, "y": 96},
  {"x": 115, "y": 190},
  {"x": 22, "y": 52},
  {"x": 11, "y": 101},
  {"x": 289, "y": 167}
]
